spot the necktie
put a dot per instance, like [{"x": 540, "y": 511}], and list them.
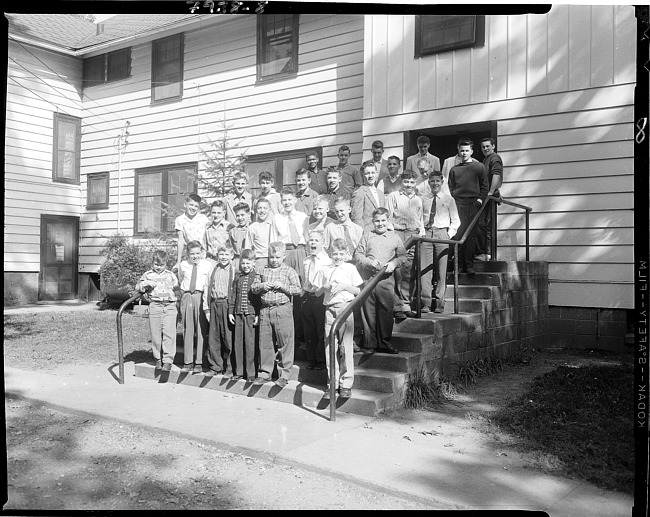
[
  {"x": 193, "y": 279},
  {"x": 293, "y": 232},
  {"x": 433, "y": 210},
  {"x": 348, "y": 240}
]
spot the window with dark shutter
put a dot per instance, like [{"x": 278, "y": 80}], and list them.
[{"x": 435, "y": 34}]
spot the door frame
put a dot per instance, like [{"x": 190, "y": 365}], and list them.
[{"x": 45, "y": 218}]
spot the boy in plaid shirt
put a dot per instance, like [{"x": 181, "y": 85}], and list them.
[
  {"x": 242, "y": 313},
  {"x": 276, "y": 284}
]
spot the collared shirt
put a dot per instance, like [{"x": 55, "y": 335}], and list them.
[
  {"x": 193, "y": 229},
  {"x": 344, "y": 273},
  {"x": 446, "y": 167},
  {"x": 203, "y": 270},
  {"x": 320, "y": 225},
  {"x": 241, "y": 299},
  {"x": 218, "y": 285},
  {"x": 446, "y": 213},
  {"x": 412, "y": 162},
  {"x": 385, "y": 247},
  {"x": 274, "y": 201},
  {"x": 217, "y": 234},
  {"x": 336, "y": 230},
  {"x": 318, "y": 180},
  {"x": 283, "y": 275},
  {"x": 280, "y": 227},
  {"x": 305, "y": 201},
  {"x": 333, "y": 195},
  {"x": 351, "y": 177},
  {"x": 237, "y": 238},
  {"x": 257, "y": 237},
  {"x": 231, "y": 200},
  {"x": 311, "y": 266},
  {"x": 405, "y": 211},
  {"x": 166, "y": 282},
  {"x": 382, "y": 169},
  {"x": 365, "y": 200}
]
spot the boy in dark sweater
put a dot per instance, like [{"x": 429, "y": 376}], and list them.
[{"x": 468, "y": 186}]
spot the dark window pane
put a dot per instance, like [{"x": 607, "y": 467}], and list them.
[
  {"x": 167, "y": 68},
  {"x": 98, "y": 190},
  {"x": 278, "y": 50},
  {"x": 93, "y": 71},
  {"x": 66, "y": 148},
  {"x": 444, "y": 33},
  {"x": 119, "y": 64}
]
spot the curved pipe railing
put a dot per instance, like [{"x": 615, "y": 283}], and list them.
[
  {"x": 411, "y": 241},
  {"x": 120, "y": 342}
]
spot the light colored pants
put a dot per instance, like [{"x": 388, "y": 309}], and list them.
[
  {"x": 162, "y": 322},
  {"x": 344, "y": 367},
  {"x": 276, "y": 331},
  {"x": 433, "y": 261},
  {"x": 195, "y": 327}
]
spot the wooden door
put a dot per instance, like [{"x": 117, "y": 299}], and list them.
[{"x": 59, "y": 257}]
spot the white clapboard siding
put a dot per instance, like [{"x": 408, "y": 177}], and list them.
[
  {"x": 318, "y": 107},
  {"x": 609, "y": 295},
  {"x": 560, "y": 87}
]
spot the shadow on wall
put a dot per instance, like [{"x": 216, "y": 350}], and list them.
[{"x": 20, "y": 288}]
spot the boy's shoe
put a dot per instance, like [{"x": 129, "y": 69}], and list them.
[
  {"x": 326, "y": 394},
  {"x": 227, "y": 374},
  {"x": 400, "y": 316},
  {"x": 210, "y": 373},
  {"x": 281, "y": 382},
  {"x": 388, "y": 350},
  {"x": 167, "y": 367},
  {"x": 357, "y": 348},
  {"x": 237, "y": 377},
  {"x": 425, "y": 310},
  {"x": 158, "y": 364},
  {"x": 260, "y": 380},
  {"x": 345, "y": 393},
  {"x": 439, "y": 310},
  {"x": 187, "y": 367},
  {"x": 197, "y": 368}
]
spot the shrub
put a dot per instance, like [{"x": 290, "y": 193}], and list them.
[{"x": 126, "y": 259}]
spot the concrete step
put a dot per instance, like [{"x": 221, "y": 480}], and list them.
[
  {"x": 485, "y": 292},
  {"x": 473, "y": 306},
  {"x": 440, "y": 324},
  {"x": 479, "y": 278},
  {"x": 363, "y": 402}
]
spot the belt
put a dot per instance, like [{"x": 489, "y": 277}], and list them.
[
  {"x": 164, "y": 302},
  {"x": 293, "y": 246},
  {"x": 219, "y": 299},
  {"x": 436, "y": 228},
  {"x": 309, "y": 293},
  {"x": 274, "y": 305},
  {"x": 406, "y": 230},
  {"x": 193, "y": 292}
]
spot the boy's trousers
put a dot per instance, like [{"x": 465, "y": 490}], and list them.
[
  {"x": 433, "y": 260},
  {"x": 466, "y": 213},
  {"x": 220, "y": 336},
  {"x": 378, "y": 314},
  {"x": 404, "y": 286},
  {"x": 162, "y": 322},
  {"x": 312, "y": 312},
  {"x": 244, "y": 344},
  {"x": 195, "y": 325},
  {"x": 344, "y": 342},
  {"x": 276, "y": 321}
]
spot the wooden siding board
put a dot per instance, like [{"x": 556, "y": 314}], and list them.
[
  {"x": 568, "y": 170},
  {"x": 479, "y": 81},
  {"x": 516, "y": 56},
  {"x": 602, "y": 51},
  {"x": 566, "y": 137},
  {"x": 379, "y": 65},
  {"x": 569, "y": 153},
  {"x": 418, "y": 88},
  {"x": 444, "y": 80},
  {"x": 461, "y": 76},
  {"x": 497, "y": 33},
  {"x": 537, "y": 54},
  {"x": 624, "y": 44},
  {"x": 599, "y": 254},
  {"x": 590, "y": 272},
  {"x": 395, "y": 68},
  {"x": 579, "y": 47},
  {"x": 558, "y": 49},
  {"x": 582, "y": 237},
  {"x": 614, "y": 296},
  {"x": 583, "y": 202},
  {"x": 568, "y": 220}
]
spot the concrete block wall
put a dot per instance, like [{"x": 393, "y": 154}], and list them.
[{"x": 580, "y": 327}]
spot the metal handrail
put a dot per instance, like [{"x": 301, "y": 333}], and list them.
[
  {"x": 120, "y": 342},
  {"x": 413, "y": 240}
]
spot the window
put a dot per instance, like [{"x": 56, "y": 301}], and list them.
[
  {"x": 107, "y": 67},
  {"x": 167, "y": 68},
  {"x": 160, "y": 195},
  {"x": 283, "y": 165},
  {"x": 277, "y": 46},
  {"x": 435, "y": 34},
  {"x": 98, "y": 184},
  {"x": 67, "y": 149}
]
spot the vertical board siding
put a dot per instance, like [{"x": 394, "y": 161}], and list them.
[
  {"x": 560, "y": 87},
  {"x": 322, "y": 106},
  {"x": 39, "y": 84}
]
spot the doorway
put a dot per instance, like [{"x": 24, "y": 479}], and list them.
[{"x": 59, "y": 257}]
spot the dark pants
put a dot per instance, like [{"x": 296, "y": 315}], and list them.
[
  {"x": 484, "y": 235},
  {"x": 378, "y": 314},
  {"x": 466, "y": 213},
  {"x": 220, "y": 336},
  {"x": 244, "y": 345},
  {"x": 312, "y": 312}
]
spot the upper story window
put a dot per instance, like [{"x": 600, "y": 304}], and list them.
[
  {"x": 167, "y": 68},
  {"x": 434, "y": 34},
  {"x": 98, "y": 190},
  {"x": 66, "y": 149},
  {"x": 160, "y": 196},
  {"x": 107, "y": 67},
  {"x": 277, "y": 46}
]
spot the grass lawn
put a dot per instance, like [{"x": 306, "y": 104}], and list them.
[
  {"x": 581, "y": 420},
  {"x": 45, "y": 340}
]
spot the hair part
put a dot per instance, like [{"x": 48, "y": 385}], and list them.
[{"x": 277, "y": 247}]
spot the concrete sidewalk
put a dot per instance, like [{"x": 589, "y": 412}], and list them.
[{"x": 423, "y": 458}]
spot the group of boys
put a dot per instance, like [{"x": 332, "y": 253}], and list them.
[{"x": 304, "y": 258}]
